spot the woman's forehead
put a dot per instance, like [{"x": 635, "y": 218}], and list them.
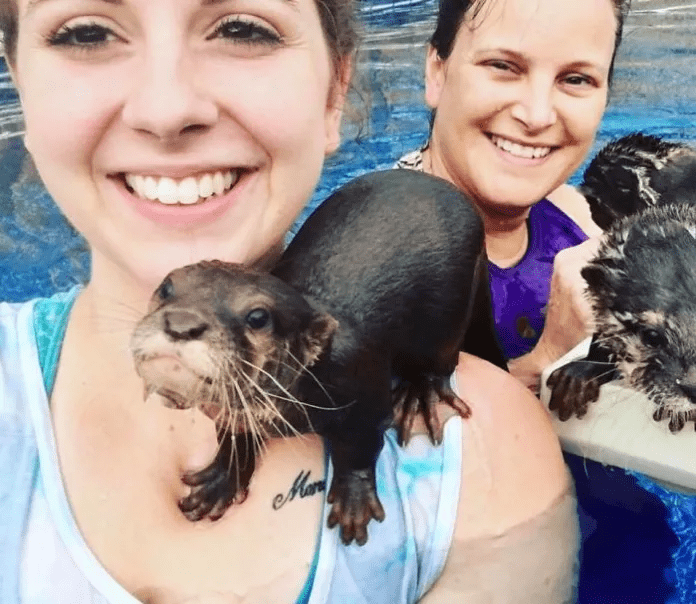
[{"x": 528, "y": 24}]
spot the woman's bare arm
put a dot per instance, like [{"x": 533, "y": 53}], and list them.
[
  {"x": 516, "y": 537},
  {"x": 569, "y": 318}
]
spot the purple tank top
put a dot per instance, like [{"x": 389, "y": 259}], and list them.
[{"x": 520, "y": 293}]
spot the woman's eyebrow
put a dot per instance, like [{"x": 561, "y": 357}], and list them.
[
  {"x": 213, "y": 2},
  {"x": 34, "y": 3}
]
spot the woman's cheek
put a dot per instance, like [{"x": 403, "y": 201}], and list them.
[{"x": 86, "y": 108}]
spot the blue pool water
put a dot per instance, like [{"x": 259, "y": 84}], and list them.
[{"x": 654, "y": 91}]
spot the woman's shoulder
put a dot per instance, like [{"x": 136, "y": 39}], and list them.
[
  {"x": 572, "y": 203},
  {"x": 516, "y": 534},
  {"x": 512, "y": 466}
]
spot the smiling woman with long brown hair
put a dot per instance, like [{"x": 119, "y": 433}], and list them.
[{"x": 170, "y": 131}]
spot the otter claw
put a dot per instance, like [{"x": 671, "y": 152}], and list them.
[
  {"x": 423, "y": 397},
  {"x": 220, "y": 484},
  {"x": 354, "y": 503},
  {"x": 574, "y": 386}
]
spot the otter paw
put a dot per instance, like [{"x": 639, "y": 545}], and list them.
[
  {"x": 677, "y": 418},
  {"x": 217, "y": 486},
  {"x": 212, "y": 492},
  {"x": 574, "y": 386},
  {"x": 422, "y": 397},
  {"x": 354, "y": 503}
]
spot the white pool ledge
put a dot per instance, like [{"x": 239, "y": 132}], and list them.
[{"x": 619, "y": 430}]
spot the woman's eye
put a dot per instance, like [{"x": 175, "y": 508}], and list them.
[
  {"x": 86, "y": 35},
  {"x": 500, "y": 65},
  {"x": 502, "y": 68},
  {"x": 246, "y": 31},
  {"x": 577, "y": 79}
]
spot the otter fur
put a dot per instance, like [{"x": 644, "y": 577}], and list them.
[
  {"x": 386, "y": 279},
  {"x": 642, "y": 285},
  {"x": 636, "y": 172}
]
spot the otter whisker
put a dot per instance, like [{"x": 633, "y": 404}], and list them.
[
  {"x": 254, "y": 426},
  {"x": 270, "y": 407},
  {"x": 601, "y": 375},
  {"x": 311, "y": 375},
  {"x": 293, "y": 398},
  {"x": 591, "y": 362}
]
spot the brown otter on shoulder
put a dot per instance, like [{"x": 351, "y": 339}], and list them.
[
  {"x": 642, "y": 282},
  {"x": 387, "y": 278}
]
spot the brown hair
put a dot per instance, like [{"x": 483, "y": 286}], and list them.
[
  {"x": 337, "y": 20},
  {"x": 452, "y": 13}
]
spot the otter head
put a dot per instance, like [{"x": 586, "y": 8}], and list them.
[
  {"x": 636, "y": 172},
  {"x": 233, "y": 342},
  {"x": 643, "y": 289}
]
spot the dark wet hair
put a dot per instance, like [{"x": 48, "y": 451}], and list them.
[
  {"x": 337, "y": 20},
  {"x": 452, "y": 13}
]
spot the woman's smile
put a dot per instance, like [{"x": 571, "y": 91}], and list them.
[
  {"x": 184, "y": 191},
  {"x": 183, "y": 203},
  {"x": 520, "y": 150}
]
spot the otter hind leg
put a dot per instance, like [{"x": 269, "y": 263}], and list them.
[
  {"x": 353, "y": 492},
  {"x": 223, "y": 482}
]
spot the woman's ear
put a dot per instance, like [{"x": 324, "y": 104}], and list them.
[
  {"x": 435, "y": 74},
  {"x": 335, "y": 104}
]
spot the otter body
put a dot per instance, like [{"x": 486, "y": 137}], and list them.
[
  {"x": 386, "y": 278},
  {"x": 642, "y": 285}
]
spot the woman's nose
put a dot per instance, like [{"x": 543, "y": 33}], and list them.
[
  {"x": 167, "y": 100},
  {"x": 535, "y": 108}
]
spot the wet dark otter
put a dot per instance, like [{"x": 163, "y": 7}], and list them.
[
  {"x": 636, "y": 172},
  {"x": 386, "y": 278},
  {"x": 642, "y": 285}
]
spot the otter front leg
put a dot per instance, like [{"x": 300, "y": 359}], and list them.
[
  {"x": 353, "y": 492},
  {"x": 576, "y": 384},
  {"x": 422, "y": 397},
  {"x": 224, "y": 481}
]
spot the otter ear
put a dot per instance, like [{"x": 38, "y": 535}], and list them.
[
  {"x": 318, "y": 336},
  {"x": 602, "y": 277},
  {"x": 594, "y": 276}
]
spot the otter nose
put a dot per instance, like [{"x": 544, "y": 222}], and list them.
[
  {"x": 184, "y": 325},
  {"x": 689, "y": 389}
]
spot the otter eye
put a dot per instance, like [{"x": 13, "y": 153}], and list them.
[
  {"x": 653, "y": 338},
  {"x": 258, "y": 318},
  {"x": 166, "y": 289}
]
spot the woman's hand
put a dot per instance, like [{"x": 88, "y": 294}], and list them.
[{"x": 569, "y": 318}]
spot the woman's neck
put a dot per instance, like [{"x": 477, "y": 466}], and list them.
[
  {"x": 505, "y": 248},
  {"x": 507, "y": 235}
]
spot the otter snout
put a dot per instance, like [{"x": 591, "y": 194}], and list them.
[{"x": 180, "y": 324}]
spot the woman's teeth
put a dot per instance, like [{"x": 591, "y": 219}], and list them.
[
  {"x": 186, "y": 191},
  {"x": 518, "y": 150}
]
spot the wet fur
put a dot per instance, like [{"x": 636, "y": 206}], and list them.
[
  {"x": 637, "y": 172},
  {"x": 386, "y": 278},
  {"x": 642, "y": 282}
]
